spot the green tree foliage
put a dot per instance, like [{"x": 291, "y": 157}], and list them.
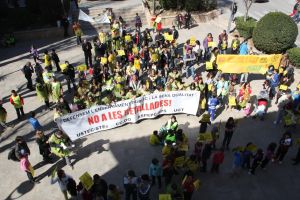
[
  {"x": 245, "y": 28},
  {"x": 189, "y": 5},
  {"x": 275, "y": 33},
  {"x": 294, "y": 56}
]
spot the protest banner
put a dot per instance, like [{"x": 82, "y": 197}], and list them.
[
  {"x": 86, "y": 180},
  {"x": 256, "y": 64},
  {"x": 99, "y": 118}
]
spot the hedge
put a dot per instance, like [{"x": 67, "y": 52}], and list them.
[
  {"x": 189, "y": 5},
  {"x": 245, "y": 28},
  {"x": 275, "y": 33},
  {"x": 294, "y": 56}
]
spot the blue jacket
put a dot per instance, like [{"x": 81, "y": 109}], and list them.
[
  {"x": 35, "y": 123},
  {"x": 212, "y": 103},
  {"x": 244, "y": 49},
  {"x": 155, "y": 170}
]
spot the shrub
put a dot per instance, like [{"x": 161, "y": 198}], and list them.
[
  {"x": 245, "y": 28},
  {"x": 189, "y": 5},
  {"x": 294, "y": 56},
  {"x": 168, "y": 4},
  {"x": 192, "y": 5},
  {"x": 275, "y": 33}
]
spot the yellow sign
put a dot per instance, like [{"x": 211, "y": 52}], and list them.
[
  {"x": 63, "y": 67},
  {"x": 256, "y": 64},
  {"x": 168, "y": 37},
  {"x": 103, "y": 60},
  {"x": 127, "y": 38},
  {"x": 135, "y": 50},
  {"x": 283, "y": 87},
  {"x": 208, "y": 65},
  {"x": 252, "y": 148},
  {"x": 121, "y": 52},
  {"x": 137, "y": 64},
  {"x": 179, "y": 161},
  {"x": 81, "y": 68},
  {"x": 154, "y": 57},
  {"x": 165, "y": 197},
  {"x": 197, "y": 184},
  {"x": 193, "y": 41},
  {"x": 86, "y": 180},
  {"x": 212, "y": 44}
]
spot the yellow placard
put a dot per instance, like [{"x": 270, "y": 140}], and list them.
[
  {"x": 63, "y": 67},
  {"x": 255, "y": 64},
  {"x": 179, "y": 161},
  {"x": 103, "y": 60},
  {"x": 121, "y": 52},
  {"x": 208, "y": 65},
  {"x": 137, "y": 64},
  {"x": 135, "y": 50},
  {"x": 154, "y": 57},
  {"x": 252, "y": 148},
  {"x": 168, "y": 37},
  {"x": 197, "y": 184},
  {"x": 165, "y": 197},
  {"x": 283, "y": 87},
  {"x": 193, "y": 41},
  {"x": 81, "y": 68},
  {"x": 127, "y": 38},
  {"x": 231, "y": 101},
  {"x": 86, "y": 180},
  {"x": 211, "y": 44}
]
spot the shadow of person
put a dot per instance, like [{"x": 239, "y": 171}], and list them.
[{"x": 19, "y": 191}]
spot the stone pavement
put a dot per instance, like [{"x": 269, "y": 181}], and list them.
[{"x": 111, "y": 153}]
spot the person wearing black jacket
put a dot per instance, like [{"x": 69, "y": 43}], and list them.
[
  {"x": 56, "y": 60},
  {"x": 70, "y": 75},
  {"x": 99, "y": 188},
  {"x": 44, "y": 147},
  {"x": 27, "y": 71},
  {"x": 21, "y": 148},
  {"x": 87, "y": 49},
  {"x": 65, "y": 24}
]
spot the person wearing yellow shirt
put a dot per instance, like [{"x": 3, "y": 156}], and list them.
[
  {"x": 18, "y": 102},
  {"x": 47, "y": 60},
  {"x": 154, "y": 139}
]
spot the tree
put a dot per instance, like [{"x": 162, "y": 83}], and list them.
[
  {"x": 248, "y": 4},
  {"x": 294, "y": 56},
  {"x": 271, "y": 37}
]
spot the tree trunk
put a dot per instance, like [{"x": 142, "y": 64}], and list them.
[{"x": 154, "y": 7}]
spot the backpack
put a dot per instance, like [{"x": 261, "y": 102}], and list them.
[{"x": 12, "y": 155}]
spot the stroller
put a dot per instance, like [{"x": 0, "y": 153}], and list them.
[{"x": 262, "y": 104}]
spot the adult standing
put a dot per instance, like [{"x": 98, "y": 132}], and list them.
[
  {"x": 65, "y": 23},
  {"x": 229, "y": 129},
  {"x": 43, "y": 92},
  {"x": 130, "y": 184},
  {"x": 87, "y": 49},
  {"x": 188, "y": 185},
  {"x": 18, "y": 102},
  {"x": 269, "y": 155},
  {"x": 55, "y": 60},
  {"x": 38, "y": 69},
  {"x": 56, "y": 89},
  {"x": 144, "y": 187},
  {"x": 70, "y": 75},
  {"x": 99, "y": 188},
  {"x": 175, "y": 33},
  {"x": 138, "y": 22},
  {"x": 47, "y": 60},
  {"x": 213, "y": 102},
  {"x": 27, "y": 71},
  {"x": 35, "y": 54},
  {"x": 258, "y": 157},
  {"x": 284, "y": 144},
  {"x": 244, "y": 51},
  {"x": 44, "y": 147}
]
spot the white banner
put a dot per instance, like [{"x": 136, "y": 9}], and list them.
[
  {"x": 100, "y": 118},
  {"x": 84, "y": 17}
]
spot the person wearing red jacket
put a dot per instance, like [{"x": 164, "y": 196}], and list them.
[
  {"x": 18, "y": 102},
  {"x": 188, "y": 185},
  {"x": 218, "y": 159}
]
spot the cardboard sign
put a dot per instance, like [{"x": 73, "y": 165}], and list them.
[
  {"x": 63, "y": 67},
  {"x": 86, "y": 180},
  {"x": 208, "y": 65},
  {"x": 154, "y": 57},
  {"x": 81, "y": 68},
  {"x": 231, "y": 101},
  {"x": 121, "y": 52},
  {"x": 103, "y": 60},
  {"x": 168, "y": 37},
  {"x": 137, "y": 64}
]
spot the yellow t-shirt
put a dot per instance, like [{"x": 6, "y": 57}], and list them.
[
  {"x": 47, "y": 60},
  {"x": 153, "y": 140}
]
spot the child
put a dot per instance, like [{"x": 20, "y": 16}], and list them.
[
  {"x": 231, "y": 100},
  {"x": 218, "y": 159},
  {"x": 237, "y": 162},
  {"x": 34, "y": 122},
  {"x": 155, "y": 171},
  {"x": 203, "y": 122},
  {"x": 154, "y": 139},
  {"x": 258, "y": 157}
]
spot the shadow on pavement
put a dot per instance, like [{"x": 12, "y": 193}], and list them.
[{"x": 21, "y": 190}]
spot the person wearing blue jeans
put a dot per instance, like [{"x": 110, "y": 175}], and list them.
[{"x": 212, "y": 107}]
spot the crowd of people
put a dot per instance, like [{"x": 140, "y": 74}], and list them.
[{"x": 122, "y": 65}]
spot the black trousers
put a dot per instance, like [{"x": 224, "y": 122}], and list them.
[
  {"x": 187, "y": 195},
  {"x": 29, "y": 83},
  {"x": 227, "y": 138},
  {"x": 159, "y": 180},
  {"x": 297, "y": 159},
  {"x": 29, "y": 175},
  {"x": 69, "y": 81},
  {"x": 88, "y": 59},
  {"x": 20, "y": 111},
  {"x": 57, "y": 66}
]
